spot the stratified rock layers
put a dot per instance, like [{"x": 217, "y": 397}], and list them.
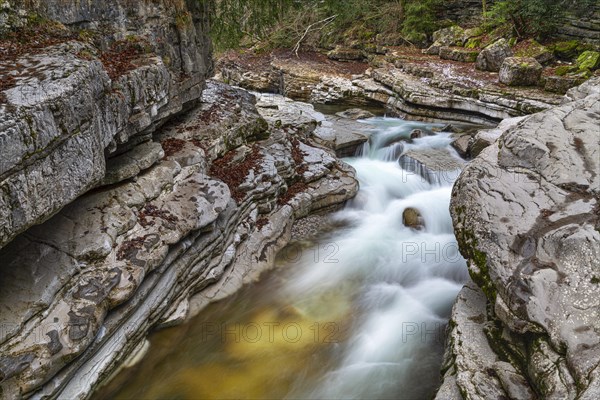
[
  {"x": 79, "y": 293},
  {"x": 64, "y": 115},
  {"x": 526, "y": 215}
]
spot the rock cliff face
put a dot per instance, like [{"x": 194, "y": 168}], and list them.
[
  {"x": 133, "y": 192},
  {"x": 69, "y": 108},
  {"x": 526, "y": 215}
]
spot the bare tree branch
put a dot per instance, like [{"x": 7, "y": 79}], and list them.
[{"x": 310, "y": 28}]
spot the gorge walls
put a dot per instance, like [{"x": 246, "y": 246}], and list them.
[{"x": 132, "y": 192}]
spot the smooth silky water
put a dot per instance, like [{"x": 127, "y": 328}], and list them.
[{"x": 358, "y": 314}]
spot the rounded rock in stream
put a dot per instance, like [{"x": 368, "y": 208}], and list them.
[
  {"x": 411, "y": 218},
  {"x": 416, "y": 134}
]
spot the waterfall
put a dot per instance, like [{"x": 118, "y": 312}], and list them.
[{"x": 401, "y": 282}]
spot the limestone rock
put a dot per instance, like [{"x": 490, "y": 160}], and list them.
[
  {"x": 355, "y": 113},
  {"x": 343, "y": 53},
  {"x": 339, "y": 134},
  {"x": 525, "y": 217},
  {"x": 520, "y": 71},
  {"x": 492, "y": 57},
  {"x": 133, "y": 162},
  {"x": 561, "y": 84},
  {"x": 458, "y": 54},
  {"x": 147, "y": 252},
  {"x": 411, "y": 218},
  {"x": 461, "y": 144},
  {"x": 587, "y": 88},
  {"x": 64, "y": 115},
  {"x": 486, "y": 137},
  {"x": 442, "y": 96},
  {"x": 402, "y": 84},
  {"x": 226, "y": 119},
  {"x": 451, "y": 36},
  {"x": 433, "y": 165}
]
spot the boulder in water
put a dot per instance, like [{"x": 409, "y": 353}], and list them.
[
  {"x": 432, "y": 165},
  {"x": 461, "y": 144},
  {"x": 416, "y": 133},
  {"x": 411, "y": 218}
]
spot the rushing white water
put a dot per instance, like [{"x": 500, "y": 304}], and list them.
[
  {"x": 402, "y": 282},
  {"x": 366, "y": 306}
]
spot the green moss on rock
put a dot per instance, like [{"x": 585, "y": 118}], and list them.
[
  {"x": 468, "y": 245},
  {"x": 588, "y": 60}
]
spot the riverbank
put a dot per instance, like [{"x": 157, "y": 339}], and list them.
[{"x": 404, "y": 81}]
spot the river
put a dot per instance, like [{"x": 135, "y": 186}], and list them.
[{"x": 359, "y": 313}]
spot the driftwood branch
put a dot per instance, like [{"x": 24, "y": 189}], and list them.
[{"x": 310, "y": 28}]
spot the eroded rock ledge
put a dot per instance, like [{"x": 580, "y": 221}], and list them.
[
  {"x": 408, "y": 83},
  {"x": 79, "y": 293},
  {"x": 526, "y": 215}
]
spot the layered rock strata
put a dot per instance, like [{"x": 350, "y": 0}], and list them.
[
  {"x": 412, "y": 85},
  {"x": 69, "y": 107},
  {"x": 79, "y": 293}
]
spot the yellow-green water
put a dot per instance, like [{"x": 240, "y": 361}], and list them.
[{"x": 253, "y": 345}]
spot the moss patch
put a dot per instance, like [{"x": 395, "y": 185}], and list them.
[
  {"x": 469, "y": 247},
  {"x": 588, "y": 60}
]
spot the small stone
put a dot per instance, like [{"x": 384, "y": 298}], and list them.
[
  {"x": 416, "y": 134},
  {"x": 411, "y": 218}
]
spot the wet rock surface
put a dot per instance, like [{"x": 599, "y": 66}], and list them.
[
  {"x": 526, "y": 217},
  {"x": 432, "y": 165}
]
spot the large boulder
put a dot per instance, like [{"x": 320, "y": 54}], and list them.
[
  {"x": 525, "y": 213},
  {"x": 560, "y": 84},
  {"x": 451, "y": 36},
  {"x": 520, "y": 71},
  {"x": 492, "y": 57}
]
